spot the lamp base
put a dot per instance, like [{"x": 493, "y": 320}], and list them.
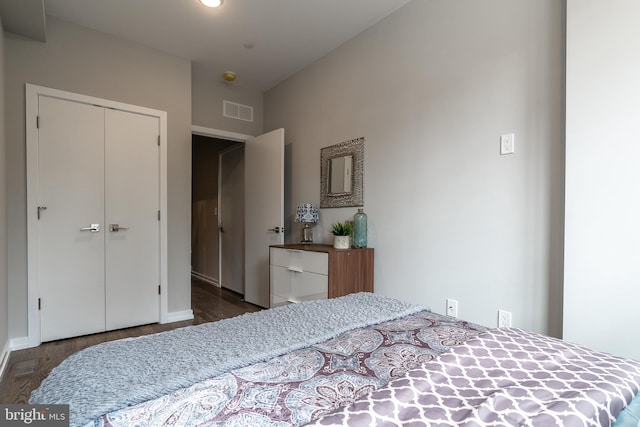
[{"x": 307, "y": 234}]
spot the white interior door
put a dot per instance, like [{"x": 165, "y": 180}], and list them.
[
  {"x": 264, "y": 210},
  {"x": 71, "y": 198},
  {"x": 132, "y": 203},
  {"x": 231, "y": 218},
  {"x": 67, "y": 161}
]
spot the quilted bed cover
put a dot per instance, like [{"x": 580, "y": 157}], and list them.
[
  {"x": 423, "y": 369},
  {"x": 298, "y": 387},
  {"x": 503, "y": 377}
]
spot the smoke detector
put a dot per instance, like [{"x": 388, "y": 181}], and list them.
[{"x": 229, "y": 76}]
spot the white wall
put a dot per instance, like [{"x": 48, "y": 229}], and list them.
[
  {"x": 83, "y": 61},
  {"x": 4, "y": 307},
  {"x": 207, "y": 93},
  {"x": 602, "y": 240},
  {"x": 431, "y": 88}
]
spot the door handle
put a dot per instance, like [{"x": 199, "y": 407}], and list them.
[
  {"x": 94, "y": 228},
  {"x": 116, "y": 227},
  {"x": 277, "y": 229},
  {"x": 221, "y": 227}
]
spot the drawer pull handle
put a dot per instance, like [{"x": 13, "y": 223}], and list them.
[{"x": 296, "y": 269}]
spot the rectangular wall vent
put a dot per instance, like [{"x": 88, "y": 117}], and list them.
[{"x": 233, "y": 110}]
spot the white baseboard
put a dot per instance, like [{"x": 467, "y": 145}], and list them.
[
  {"x": 205, "y": 278},
  {"x": 4, "y": 357},
  {"x": 19, "y": 343},
  {"x": 178, "y": 316}
]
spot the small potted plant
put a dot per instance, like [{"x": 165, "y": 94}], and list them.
[{"x": 342, "y": 232}]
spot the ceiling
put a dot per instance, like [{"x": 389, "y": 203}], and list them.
[
  {"x": 24, "y": 17},
  {"x": 262, "y": 41}
]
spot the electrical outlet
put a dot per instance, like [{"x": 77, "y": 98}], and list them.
[
  {"x": 507, "y": 144},
  {"x": 452, "y": 308},
  {"x": 504, "y": 319}
]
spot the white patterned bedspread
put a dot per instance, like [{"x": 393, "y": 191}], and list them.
[
  {"x": 296, "y": 388},
  {"x": 503, "y": 377}
]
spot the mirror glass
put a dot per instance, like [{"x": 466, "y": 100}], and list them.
[{"x": 342, "y": 174}]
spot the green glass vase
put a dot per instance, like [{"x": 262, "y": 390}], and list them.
[{"x": 360, "y": 229}]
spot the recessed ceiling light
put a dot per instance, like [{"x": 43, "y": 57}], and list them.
[{"x": 211, "y": 3}]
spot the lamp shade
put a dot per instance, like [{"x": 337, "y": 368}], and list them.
[{"x": 307, "y": 212}]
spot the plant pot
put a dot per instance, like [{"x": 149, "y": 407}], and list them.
[{"x": 341, "y": 242}]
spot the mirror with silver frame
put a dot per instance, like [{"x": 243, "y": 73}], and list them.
[{"x": 342, "y": 174}]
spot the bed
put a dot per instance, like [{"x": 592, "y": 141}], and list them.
[{"x": 358, "y": 360}]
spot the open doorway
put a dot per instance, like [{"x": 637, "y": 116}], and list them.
[
  {"x": 263, "y": 195},
  {"x": 217, "y": 212}
]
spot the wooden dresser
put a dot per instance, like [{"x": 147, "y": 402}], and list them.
[{"x": 306, "y": 272}]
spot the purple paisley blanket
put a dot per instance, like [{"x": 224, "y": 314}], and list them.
[
  {"x": 297, "y": 387},
  {"x": 502, "y": 377}
]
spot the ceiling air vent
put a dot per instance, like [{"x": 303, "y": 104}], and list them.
[{"x": 237, "y": 111}]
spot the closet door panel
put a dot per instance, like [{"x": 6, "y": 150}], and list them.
[
  {"x": 132, "y": 202},
  {"x": 71, "y": 198}
]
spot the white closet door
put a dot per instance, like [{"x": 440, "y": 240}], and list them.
[
  {"x": 71, "y": 188},
  {"x": 132, "y": 202}
]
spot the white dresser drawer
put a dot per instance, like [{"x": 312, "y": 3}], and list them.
[
  {"x": 301, "y": 261},
  {"x": 290, "y": 286},
  {"x": 301, "y": 272}
]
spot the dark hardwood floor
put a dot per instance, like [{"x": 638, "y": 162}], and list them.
[{"x": 27, "y": 368}]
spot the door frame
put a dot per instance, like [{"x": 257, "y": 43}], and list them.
[
  {"x": 32, "y": 93},
  {"x": 219, "y": 133}
]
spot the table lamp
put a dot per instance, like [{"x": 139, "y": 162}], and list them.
[{"x": 307, "y": 213}]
